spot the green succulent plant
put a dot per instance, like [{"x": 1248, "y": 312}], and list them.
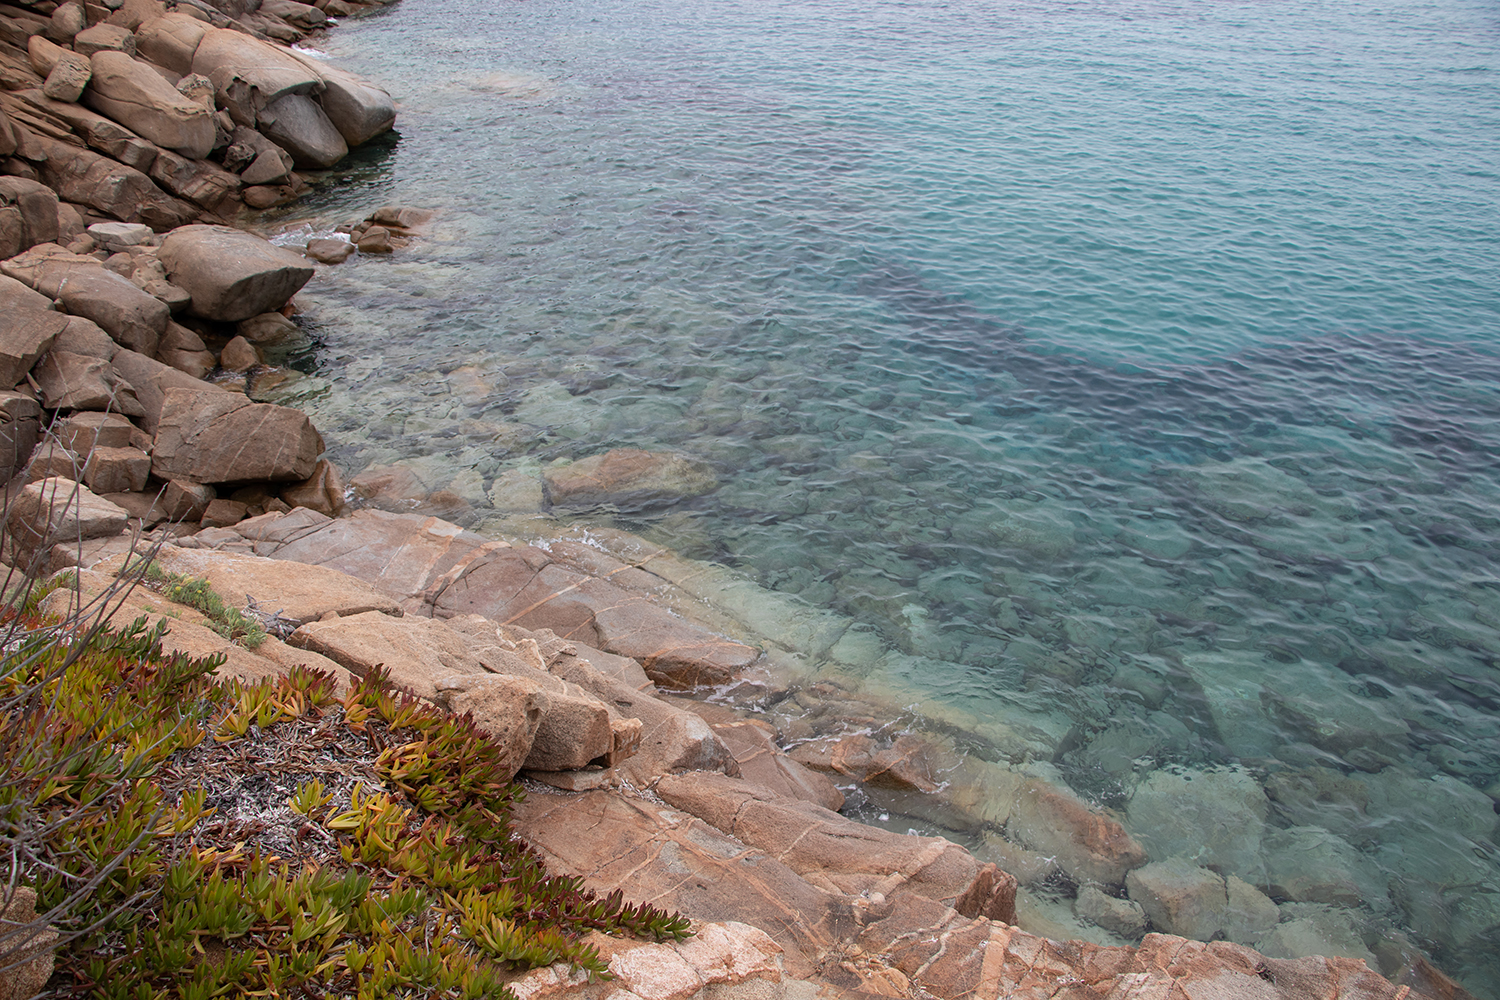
[{"x": 197, "y": 838}]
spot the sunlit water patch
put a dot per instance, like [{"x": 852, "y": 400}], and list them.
[{"x": 1125, "y": 372}]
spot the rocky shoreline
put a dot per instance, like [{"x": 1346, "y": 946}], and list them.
[{"x": 132, "y": 324}]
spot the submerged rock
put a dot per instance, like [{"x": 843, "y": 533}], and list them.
[
  {"x": 1214, "y": 817},
  {"x": 628, "y": 476}
]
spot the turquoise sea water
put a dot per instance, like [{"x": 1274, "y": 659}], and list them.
[{"x": 1128, "y": 371}]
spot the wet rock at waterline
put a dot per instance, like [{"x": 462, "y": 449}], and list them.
[{"x": 232, "y": 275}]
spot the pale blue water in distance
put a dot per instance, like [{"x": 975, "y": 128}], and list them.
[{"x": 1127, "y": 370}]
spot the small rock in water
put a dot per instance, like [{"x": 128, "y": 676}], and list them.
[
  {"x": 1215, "y": 817},
  {"x": 1118, "y": 916},
  {"x": 329, "y": 250}
]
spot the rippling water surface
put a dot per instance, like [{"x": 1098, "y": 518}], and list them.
[{"x": 1127, "y": 371}]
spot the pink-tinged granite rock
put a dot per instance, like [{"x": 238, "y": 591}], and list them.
[
  {"x": 112, "y": 188},
  {"x": 762, "y": 763},
  {"x": 20, "y": 429},
  {"x": 838, "y": 854},
  {"x": 138, "y": 97},
  {"x": 211, "y": 436},
  {"x": 77, "y": 382},
  {"x": 417, "y": 653},
  {"x": 249, "y": 74},
  {"x": 32, "y": 207},
  {"x": 59, "y": 511},
  {"x": 298, "y": 593},
  {"x": 25, "y": 335},
  {"x": 231, "y": 274},
  {"x": 169, "y": 41},
  {"x": 323, "y": 491},
  {"x": 677, "y": 862}
]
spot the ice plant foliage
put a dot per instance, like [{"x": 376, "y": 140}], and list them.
[{"x": 384, "y": 863}]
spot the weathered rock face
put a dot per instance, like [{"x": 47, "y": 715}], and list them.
[
  {"x": 249, "y": 74},
  {"x": 323, "y": 491},
  {"x": 82, "y": 432},
  {"x": 722, "y": 961},
  {"x": 68, "y": 78},
  {"x": 462, "y": 573},
  {"x": 306, "y": 595},
  {"x": 20, "y": 429},
  {"x": 258, "y": 159},
  {"x": 199, "y": 181},
  {"x": 141, "y": 99},
  {"x": 134, "y": 318},
  {"x": 211, "y": 436},
  {"x": 150, "y": 379},
  {"x": 104, "y": 38},
  {"x": 297, "y": 124},
  {"x": 838, "y": 854},
  {"x": 78, "y": 382},
  {"x": 614, "y": 842},
  {"x": 85, "y": 177},
  {"x": 904, "y": 765},
  {"x": 628, "y": 476},
  {"x": 117, "y": 470},
  {"x": 58, "y": 511},
  {"x": 762, "y": 763},
  {"x": 357, "y": 108},
  {"x": 25, "y": 335},
  {"x": 571, "y": 730},
  {"x": 28, "y": 215},
  {"x": 231, "y": 275},
  {"x": 170, "y": 41},
  {"x": 417, "y": 653}
]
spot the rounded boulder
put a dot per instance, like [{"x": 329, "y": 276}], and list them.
[{"x": 231, "y": 275}]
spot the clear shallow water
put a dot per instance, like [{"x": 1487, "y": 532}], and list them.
[{"x": 1127, "y": 370}]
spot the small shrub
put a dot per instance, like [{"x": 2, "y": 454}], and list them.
[{"x": 196, "y": 593}]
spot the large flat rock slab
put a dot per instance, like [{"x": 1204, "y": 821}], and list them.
[
  {"x": 300, "y": 594},
  {"x": 455, "y": 572},
  {"x": 838, "y": 854},
  {"x": 417, "y": 653},
  {"x": 670, "y": 859}
]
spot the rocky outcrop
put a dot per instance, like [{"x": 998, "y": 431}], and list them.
[
  {"x": 141, "y": 99},
  {"x": 210, "y": 436},
  {"x": 840, "y": 855},
  {"x": 459, "y": 572},
  {"x": 230, "y": 274},
  {"x": 58, "y": 511}
]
